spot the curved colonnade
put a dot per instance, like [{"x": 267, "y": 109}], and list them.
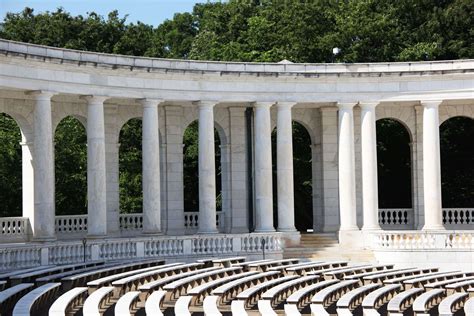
[{"x": 338, "y": 104}]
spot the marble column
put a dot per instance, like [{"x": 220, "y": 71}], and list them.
[
  {"x": 151, "y": 167},
  {"x": 96, "y": 171},
  {"x": 369, "y": 167},
  {"x": 263, "y": 168},
  {"x": 207, "y": 170},
  {"x": 44, "y": 209},
  {"x": 286, "y": 204},
  {"x": 431, "y": 166},
  {"x": 347, "y": 186}
]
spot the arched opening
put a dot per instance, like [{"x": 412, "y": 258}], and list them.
[
  {"x": 70, "y": 161},
  {"x": 457, "y": 161},
  {"x": 394, "y": 164},
  {"x": 130, "y": 167},
  {"x": 10, "y": 167},
  {"x": 191, "y": 168},
  {"x": 302, "y": 177}
]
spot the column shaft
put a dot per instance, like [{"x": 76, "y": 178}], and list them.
[
  {"x": 96, "y": 172},
  {"x": 151, "y": 168},
  {"x": 44, "y": 209},
  {"x": 286, "y": 206},
  {"x": 432, "y": 167},
  {"x": 347, "y": 188},
  {"x": 263, "y": 169},
  {"x": 207, "y": 170},
  {"x": 369, "y": 167}
]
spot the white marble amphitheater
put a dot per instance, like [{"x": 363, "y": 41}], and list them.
[{"x": 359, "y": 259}]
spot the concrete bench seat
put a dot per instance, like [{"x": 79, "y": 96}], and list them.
[
  {"x": 7, "y": 275},
  {"x": 181, "y": 307},
  {"x": 377, "y": 300},
  {"x": 245, "y": 264},
  {"x": 3, "y": 285},
  {"x": 422, "y": 281},
  {"x": 445, "y": 283},
  {"x": 106, "y": 281},
  {"x": 210, "y": 306},
  {"x": 349, "y": 302},
  {"x": 154, "y": 303},
  {"x": 181, "y": 286},
  {"x": 69, "y": 303},
  {"x": 361, "y": 275},
  {"x": 231, "y": 289},
  {"x": 304, "y": 268},
  {"x": 199, "y": 293},
  {"x": 469, "y": 305},
  {"x": 148, "y": 288},
  {"x": 301, "y": 298},
  {"x": 127, "y": 305},
  {"x": 83, "y": 278},
  {"x": 274, "y": 296},
  {"x": 401, "y": 303},
  {"x": 133, "y": 282},
  {"x": 36, "y": 301},
  {"x": 341, "y": 274},
  {"x": 402, "y": 279},
  {"x": 249, "y": 297},
  {"x": 264, "y": 266},
  {"x": 98, "y": 302},
  {"x": 227, "y": 262},
  {"x": 390, "y": 274},
  {"x": 33, "y": 275},
  {"x": 11, "y": 295},
  {"x": 58, "y": 276},
  {"x": 324, "y": 301},
  {"x": 428, "y": 301},
  {"x": 461, "y": 286},
  {"x": 453, "y": 304}
]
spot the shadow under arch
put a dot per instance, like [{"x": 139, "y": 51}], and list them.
[
  {"x": 302, "y": 176},
  {"x": 457, "y": 161},
  {"x": 11, "y": 136},
  {"x": 394, "y": 164}
]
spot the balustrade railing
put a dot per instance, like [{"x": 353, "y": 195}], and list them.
[
  {"x": 458, "y": 217},
  {"x": 396, "y": 218},
  {"x": 14, "y": 229},
  {"x": 131, "y": 222},
  {"x": 413, "y": 240},
  {"x": 71, "y": 225},
  {"x": 191, "y": 221}
]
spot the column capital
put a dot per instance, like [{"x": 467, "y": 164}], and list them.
[
  {"x": 148, "y": 103},
  {"x": 206, "y": 104},
  {"x": 263, "y": 104},
  {"x": 41, "y": 94},
  {"x": 431, "y": 103},
  {"x": 284, "y": 105},
  {"x": 94, "y": 98},
  {"x": 346, "y": 105},
  {"x": 368, "y": 106}
]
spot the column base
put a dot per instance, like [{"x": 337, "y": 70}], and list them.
[
  {"x": 431, "y": 228},
  {"x": 371, "y": 228},
  {"x": 92, "y": 237},
  {"x": 264, "y": 230},
  {"x": 153, "y": 233},
  {"x": 44, "y": 239},
  {"x": 212, "y": 232},
  {"x": 351, "y": 238},
  {"x": 291, "y": 237}
]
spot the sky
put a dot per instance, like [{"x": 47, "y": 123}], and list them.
[{"x": 147, "y": 11}]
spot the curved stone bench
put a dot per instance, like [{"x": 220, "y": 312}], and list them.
[
  {"x": 10, "y": 296},
  {"x": 427, "y": 301},
  {"x": 98, "y": 302},
  {"x": 83, "y": 278},
  {"x": 402, "y": 279},
  {"x": 58, "y": 276},
  {"x": 277, "y": 294},
  {"x": 248, "y": 298},
  {"x": 133, "y": 282},
  {"x": 378, "y": 299},
  {"x": 127, "y": 304},
  {"x": 453, "y": 304},
  {"x": 199, "y": 293},
  {"x": 264, "y": 266},
  {"x": 106, "y": 281},
  {"x": 411, "y": 272},
  {"x": 361, "y": 275},
  {"x": 210, "y": 306},
  {"x": 181, "y": 307},
  {"x": 422, "y": 281},
  {"x": 352, "y": 300},
  {"x": 230, "y": 290},
  {"x": 38, "y": 299},
  {"x": 8, "y": 274},
  {"x": 304, "y": 268},
  {"x": 469, "y": 306},
  {"x": 323, "y": 302},
  {"x": 461, "y": 286},
  {"x": 341, "y": 274},
  {"x": 227, "y": 262},
  {"x": 69, "y": 303},
  {"x": 148, "y": 288},
  {"x": 301, "y": 298},
  {"x": 181, "y": 286},
  {"x": 154, "y": 303},
  {"x": 402, "y": 302}
]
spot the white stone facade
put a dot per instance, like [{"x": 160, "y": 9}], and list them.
[{"x": 338, "y": 104}]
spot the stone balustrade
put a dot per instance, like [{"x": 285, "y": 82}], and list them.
[
  {"x": 191, "y": 221},
  {"x": 169, "y": 247},
  {"x": 14, "y": 229},
  {"x": 437, "y": 240},
  {"x": 131, "y": 222},
  {"x": 458, "y": 218},
  {"x": 70, "y": 225},
  {"x": 396, "y": 218}
]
